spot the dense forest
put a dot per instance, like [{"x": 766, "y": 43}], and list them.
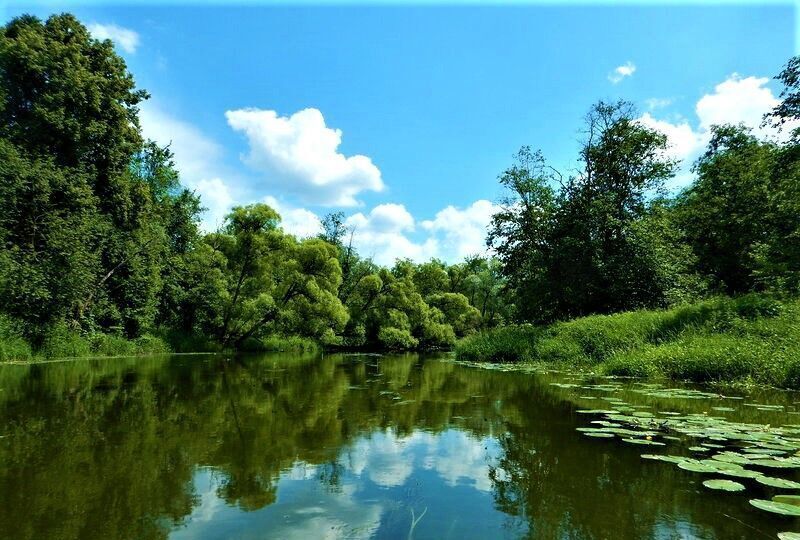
[{"x": 102, "y": 252}]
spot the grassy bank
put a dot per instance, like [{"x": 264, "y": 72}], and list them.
[
  {"x": 753, "y": 338},
  {"x": 62, "y": 342}
]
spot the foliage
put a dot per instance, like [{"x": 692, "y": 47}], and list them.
[
  {"x": 752, "y": 337},
  {"x": 740, "y": 216},
  {"x": 597, "y": 243},
  {"x": 102, "y": 252}
]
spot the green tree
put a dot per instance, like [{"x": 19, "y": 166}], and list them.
[
  {"x": 740, "y": 216},
  {"x": 568, "y": 247},
  {"x": 274, "y": 282}
]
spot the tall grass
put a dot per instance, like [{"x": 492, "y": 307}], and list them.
[
  {"x": 60, "y": 341},
  {"x": 750, "y": 338},
  {"x": 277, "y": 343}
]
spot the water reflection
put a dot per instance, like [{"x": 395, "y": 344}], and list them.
[{"x": 287, "y": 446}]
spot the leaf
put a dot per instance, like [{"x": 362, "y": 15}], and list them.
[
  {"x": 723, "y": 485},
  {"x": 776, "y": 507}
]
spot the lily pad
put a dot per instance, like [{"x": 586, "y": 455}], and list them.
[
  {"x": 740, "y": 473},
  {"x": 788, "y": 536},
  {"x": 787, "y": 499},
  {"x": 644, "y": 441},
  {"x": 778, "y": 482},
  {"x": 665, "y": 458},
  {"x": 600, "y": 435},
  {"x": 696, "y": 467},
  {"x": 724, "y": 485},
  {"x": 776, "y": 507}
]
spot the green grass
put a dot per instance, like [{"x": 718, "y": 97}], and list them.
[
  {"x": 753, "y": 338},
  {"x": 59, "y": 341},
  {"x": 277, "y": 343}
]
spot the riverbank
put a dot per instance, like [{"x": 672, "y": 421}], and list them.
[
  {"x": 62, "y": 342},
  {"x": 751, "y": 339}
]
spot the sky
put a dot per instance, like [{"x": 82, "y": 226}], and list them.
[{"x": 402, "y": 117}]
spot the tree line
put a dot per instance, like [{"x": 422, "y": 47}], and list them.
[
  {"x": 609, "y": 237},
  {"x": 99, "y": 236}
]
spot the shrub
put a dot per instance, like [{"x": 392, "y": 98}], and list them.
[
  {"x": 13, "y": 345},
  {"x": 396, "y": 338}
]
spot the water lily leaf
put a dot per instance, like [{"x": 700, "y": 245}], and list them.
[
  {"x": 778, "y": 482},
  {"x": 788, "y": 536},
  {"x": 731, "y": 457},
  {"x": 724, "y": 485},
  {"x": 776, "y": 507},
  {"x": 696, "y": 467},
  {"x": 600, "y": 435},
  {"x": 722, "y": 465},
  {"x": 739, "y": 473},
  {"x": 787, "y": 499},
  {"x": 775, "y": 464},
  {"x": 643, "y": 441},
  {"x": 666, "y": 458}
]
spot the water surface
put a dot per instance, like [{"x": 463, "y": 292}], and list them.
[{"x": 345, "y": 446}]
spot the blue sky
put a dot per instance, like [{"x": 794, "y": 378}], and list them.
[{"x": 435, "y": 100}]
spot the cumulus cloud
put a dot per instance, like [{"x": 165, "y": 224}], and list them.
[
  {"x": 389, "y": 232},
  {"x": 297, "y": 221},
  {"x": 736, "y": 100},
  {"x": 125, "y": 38},
  {"x": 300, "y": 153},
  {"x": 383, "y": 235},
  {"x": 462, "y": 232},
  {"x": 658, "y": 103},
  {"x": 620, "y": 72},
  {"x": 683, "y": 140},
  {"x": 197, "y": 158}
]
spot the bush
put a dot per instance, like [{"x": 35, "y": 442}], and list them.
[
  {"x": 277, "y": 343},
  {"x": 61, "y": 342},
  {"x": 508, "y": 344},
  {"x": 13, "y": 346},
  {"x": 396, "y": 339},
  {"x": 749, "y": 338}
]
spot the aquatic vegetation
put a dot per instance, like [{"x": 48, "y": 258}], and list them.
[
  {"x": 724, "y": 485},
  {"x": 776, "y": 507},
  {"x": 741, "y": 451},
  {"x": 780, "y": 483}
]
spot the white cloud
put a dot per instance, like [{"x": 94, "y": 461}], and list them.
[
  {"x": 658, "y": 103},
  {"x": 216, "y": 198},
  {"x": 197, "y": 158},
  {"x": 683, "y": 140},
  {"x": 297, "y": 221},
  {"x": 127, "y": 39},
  {"x": 383, "y": 235},
  {"x": 462, "y": 232},
  {"x": 620, "y": 72},
  {"x": 300, "y": 153},
  {"x": 389, "y": 232},
  {"x": 736, "y": 100}
]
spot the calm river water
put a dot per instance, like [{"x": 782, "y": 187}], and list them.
[{"x": 350, "y": 446}]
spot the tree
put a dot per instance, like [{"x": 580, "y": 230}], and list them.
[
  {"x": 740, "y": 216},
  {"x": 788, "y": 109},
  {"x": 569, "y": 248},
  {"x": 273, "y": 281}
]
